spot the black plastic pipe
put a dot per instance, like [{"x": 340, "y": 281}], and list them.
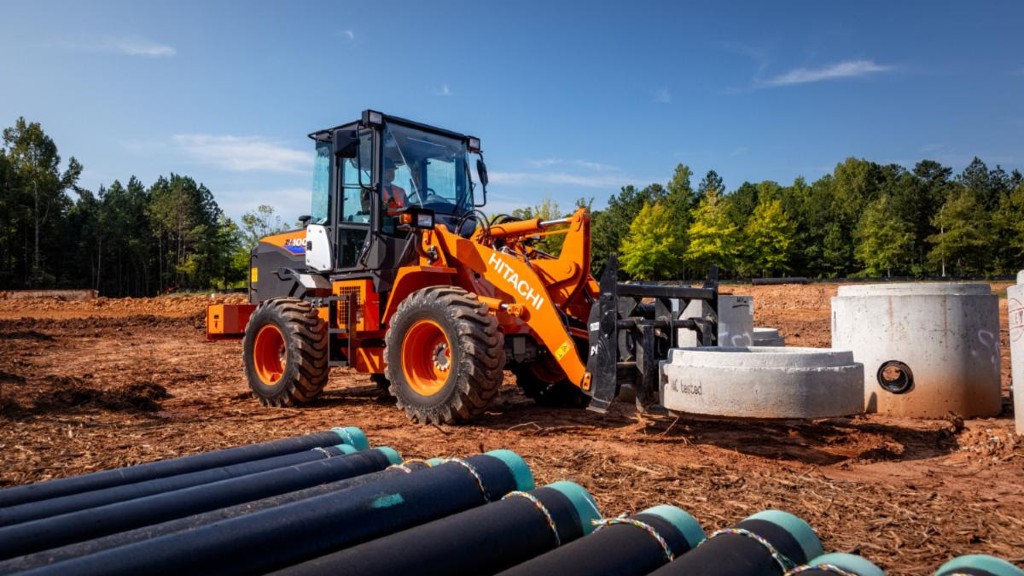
[
  {"x": 769, "y": 543},
  {"x": 303, "y": 530},
  {"x": 95, "y": 545},
  {"x": 635, "y": 545},
  {"x": 840, "y": 563},
  {"x": 107, "y": 478},
  {"x": 483, "y": 540},
  {"x": 90, "y": 523},
  {"x": 22, "y": 513},
  {"x": 978, "y": 565}
]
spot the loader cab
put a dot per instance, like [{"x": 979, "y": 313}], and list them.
[{"x": 366, "y": 174}]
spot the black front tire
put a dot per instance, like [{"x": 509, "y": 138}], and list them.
[
  {"x": 285, "y": 352},
  {"x": 452, "y": 372}
]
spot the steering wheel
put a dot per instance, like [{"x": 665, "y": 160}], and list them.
[{"x": 433, "y": 197}]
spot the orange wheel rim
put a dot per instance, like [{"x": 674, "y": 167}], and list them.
[
  {"x": 270, "y": 356},
  {"x": 426, "y": 357}
]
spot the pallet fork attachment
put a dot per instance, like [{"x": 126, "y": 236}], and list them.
[{"x": 630, "y": 335}]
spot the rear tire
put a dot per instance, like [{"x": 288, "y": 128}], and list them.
[
  {"x": 444, "y": 355},
  {"x": 285, "y": 352}
]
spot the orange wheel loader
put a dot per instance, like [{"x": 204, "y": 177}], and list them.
[{"x": 396, "y": 273}]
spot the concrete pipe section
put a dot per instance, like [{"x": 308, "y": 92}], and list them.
[
  {"x": 735, "y": 321},
  {"x": 763, "y": 382},
  {"x": 928, "y": 349},
  {"x": 1015, "y": 306},
  {"x": 768, "y": 337}
]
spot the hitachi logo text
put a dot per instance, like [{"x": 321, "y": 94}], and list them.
[{"x": 521, "y": 286}]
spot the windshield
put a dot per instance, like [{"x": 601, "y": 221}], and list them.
[{"x": 429, "y": 169}]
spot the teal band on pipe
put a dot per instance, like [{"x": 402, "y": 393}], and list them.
[
  {"x": 850, "y": 563},
  {"x": 582, "y": 501},
  {"x": 345, "y": 448},
  {"x": 687, "y": 525},
  {"x": 393, "y": 456},
  {"x": 800, "y": 530},
  {"x": 990, "y": 564},
  {"x": 517, "y": 466},
  {"x": 353, "y": 436},
  {"x": 435, "y": 462}
]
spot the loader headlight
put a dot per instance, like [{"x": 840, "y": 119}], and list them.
[
  {"x": 424, "y": 220},
  {"x": 472, "y": 144},
  {"x": 373, "y": 118}
]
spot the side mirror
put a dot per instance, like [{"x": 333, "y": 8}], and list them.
[
  {"x": 304, "y": 220},
  {"x": 346, "y": 143},
  {"x": 481, "y": 170}
]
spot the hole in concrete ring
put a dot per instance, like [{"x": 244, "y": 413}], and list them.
[{"x": 895, "y": 376}]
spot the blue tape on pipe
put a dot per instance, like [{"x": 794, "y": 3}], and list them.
[
  {"x": 687, "y": 525},
  {"x": 800, "y": 530},
  {"x": 989, "y": 564},
  {"x": 849, "y": 562},
  {"x": 393, "y": 456},
  {"x": 517, "y": 466},
  {"x": 353, "y": 436},
  {"x": 582, "y": 501}
]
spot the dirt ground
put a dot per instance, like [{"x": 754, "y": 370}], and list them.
[{"x": 91, "y": 385}]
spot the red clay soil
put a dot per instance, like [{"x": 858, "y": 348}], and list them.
[{"x": 97, "y": 384}]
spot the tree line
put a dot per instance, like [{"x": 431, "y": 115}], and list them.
[
  {"x": 863, "y": 219},
  {"x": 125, "y": 239}
]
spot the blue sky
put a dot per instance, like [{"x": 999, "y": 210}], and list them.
[{"x": 572, "y": 99}]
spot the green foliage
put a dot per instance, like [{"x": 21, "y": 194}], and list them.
[
  {"x": 865, "y": 218},
  {"x": 767, "y": 238},
  {"x": 964, "y": 235},
  {"x": 258, "y": 224},
  {"x": 547, "y": 210},
  {"x": 652, "y": 250},
  {"x": 611, "y": 225},
  {"x": 884, "y": 240},
  {"x": 713, "y": 238}
]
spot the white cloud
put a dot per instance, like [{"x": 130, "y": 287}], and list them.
[
  {"x": 662, "y": 96},
  {"x": 242, "y": 153},
  {"x": 127, "y": 45},
  {"x": 349, "y": 34},
  {"x": 444, "y": 90},
  {"x": 560, "y": 179},
  {"x": 549, "y": 162},
  {"x": 288, "y": 203},
  {"x": 847, "y": 69}
]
